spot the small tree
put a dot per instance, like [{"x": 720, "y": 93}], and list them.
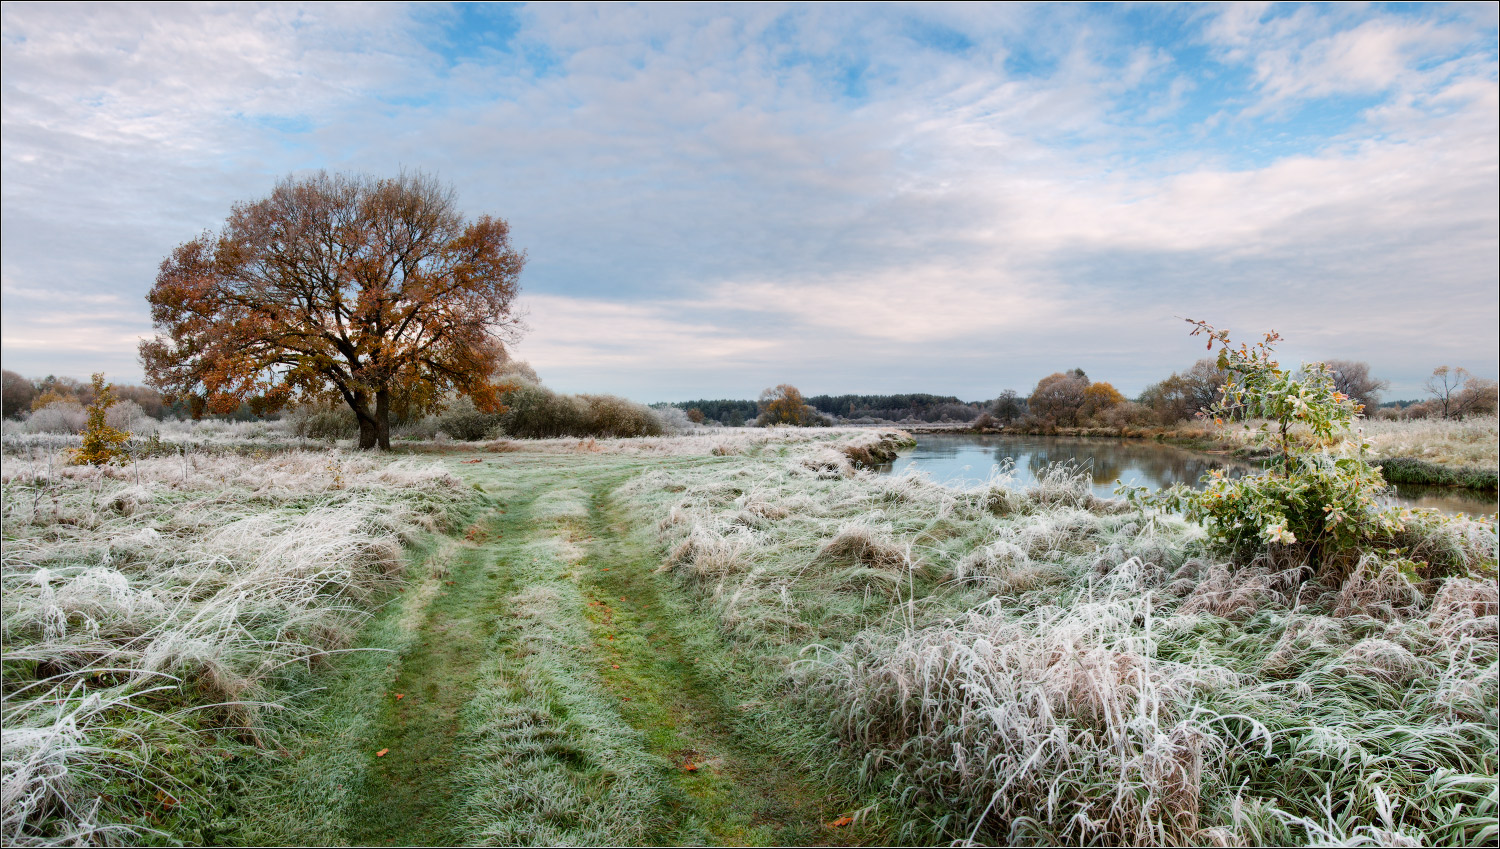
[
  {"x": 1058, "y": 397},
  {"x": 1008, "y": 406},
  {"x": 1313, "y": 501},
  {"x": 1478, "y": 398},
  {"x": 784, "y": 405},
  {"x": 1097, "y": 398},
  {"x": 101, "y": 443},
  {"x": 17, "y": 393},
  {"x": 1353, "y": 379},
  {"x": 1456, "y": 393}
]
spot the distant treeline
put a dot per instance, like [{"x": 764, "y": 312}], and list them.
[
  {"x": 1070, "y": 398},
  {"x": 913, "y": 406}
]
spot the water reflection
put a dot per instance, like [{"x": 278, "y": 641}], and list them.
[{"x": 967, "y": 459}]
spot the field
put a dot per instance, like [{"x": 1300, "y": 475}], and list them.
[{"x": 730, "y": 637}]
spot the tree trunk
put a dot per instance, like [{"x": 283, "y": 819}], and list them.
[
  {"x": 383, "y": 418},
  {"x": 368, "y": 432}
]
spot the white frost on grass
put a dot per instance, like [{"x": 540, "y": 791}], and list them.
[
  {"x": 209, "y": 576},
  {"x": 1042, "y": 666}
]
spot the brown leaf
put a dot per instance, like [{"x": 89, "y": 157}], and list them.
[
  {"x": 690, "y": 767},
  {"x": 841, "y": 822},
  {"x": 400, "y": 695},
  {"x": 381, "y": 753}
]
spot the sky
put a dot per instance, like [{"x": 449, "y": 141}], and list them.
[{"x": 715, "y": 199}]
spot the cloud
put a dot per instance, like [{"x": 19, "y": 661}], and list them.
[{"x": 875, "y": 197}]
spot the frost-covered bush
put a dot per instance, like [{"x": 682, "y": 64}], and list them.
[
  {"x": 57, "y": 417},
  {"x": 322, "y": 421},
  {"x": 536, "y": 412}
]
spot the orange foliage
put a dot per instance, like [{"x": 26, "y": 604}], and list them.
[
  {"x": 1098, "y": 397},
  {"x": 373, "y": 291},
  {"x": 783, "y": 405}
]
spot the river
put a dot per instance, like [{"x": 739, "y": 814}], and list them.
[{"x": 968, "y": 459}]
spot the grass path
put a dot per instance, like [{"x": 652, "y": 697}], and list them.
[
  {"x": 554, "y": 688},
  {"x": 729, "y": 789}
]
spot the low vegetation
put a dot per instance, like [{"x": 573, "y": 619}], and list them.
[
  {"x": 1043, "y": 666},
  {"x": 838, "y": 655},
  {"x": 155, "y": 614}
]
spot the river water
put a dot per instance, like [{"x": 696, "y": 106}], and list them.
[{"x": 968, "y": 459}]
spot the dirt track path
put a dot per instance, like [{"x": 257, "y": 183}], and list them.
[{"x": 551, "y": 691}]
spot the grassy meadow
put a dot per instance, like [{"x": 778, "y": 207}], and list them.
[{"x": 727, "y": 636}]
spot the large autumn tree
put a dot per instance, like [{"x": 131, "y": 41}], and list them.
[{"x": 373, "y": 291}]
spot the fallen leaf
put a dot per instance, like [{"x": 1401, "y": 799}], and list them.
[
  {"x": 690, "y": 767},
  {"x": 622, "y": 598},
  {"x": 615, "y": 666},
  {"x": 841, "y": 822},
  {"x": 381, "y": 753},
  {"x": 400, "y": 695}
]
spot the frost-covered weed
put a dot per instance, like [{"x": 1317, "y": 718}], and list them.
[{"x": 196, "y": 581}]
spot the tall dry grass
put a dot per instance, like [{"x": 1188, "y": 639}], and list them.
[
  {"x": 1040, "y": 666},
  {"x": 146, "y": 606}
]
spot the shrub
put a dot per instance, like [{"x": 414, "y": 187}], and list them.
[
  {"x": 17, "y": 393},
  {"x": 323, "y": 421},
  {"x": 611, "y": 415},
  {"x": 462, "y": 420},
  {"x": 537, "y": 412},
  {"x": 1314, "y": 504},
  {"x": 101, "y": 443},
  {"x": 63, "y": 416},
  {"x": 1058, "y": 397}
]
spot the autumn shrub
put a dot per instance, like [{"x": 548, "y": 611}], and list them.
[
  {"x": 1127, "y": 414},
  {"x": 613, "y": 416},
  {"x": 101, "y": 443},
  {"x": 536, "y": 412},
  {"x": 1057, "y": 398},
  {"x": 1311, "y": 505},
  {"x": 16, "y": 393}
]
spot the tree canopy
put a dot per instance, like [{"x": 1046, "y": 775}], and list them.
[
  {"x": 374, "y": 291},
  {"x": 784, "y": 405}
]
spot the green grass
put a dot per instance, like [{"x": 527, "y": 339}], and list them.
[
  {"x": 554, "y": 686},
  {"x": 589, "y": 619}
]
